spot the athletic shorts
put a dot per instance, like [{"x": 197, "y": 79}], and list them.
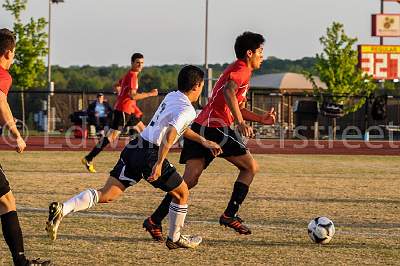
[
  {"x": 136, "y": 162},
  {"x": 230, "y": 141},
  {"x": 4, "y": 185},
  {"x": 122, "y": 119}
]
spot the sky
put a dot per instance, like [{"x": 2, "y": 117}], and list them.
[{"x": 105, "y": 32}]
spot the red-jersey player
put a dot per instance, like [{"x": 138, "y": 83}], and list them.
[
  {"x": 226, "y": 105},
  {"x": 125, "y": 109},
  {"x": 8, "y": 212}
]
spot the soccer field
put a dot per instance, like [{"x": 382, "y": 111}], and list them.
[{"x": 361, "y": 194}]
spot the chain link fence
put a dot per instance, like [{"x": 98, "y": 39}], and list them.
[{"x": 65, "y": 103}]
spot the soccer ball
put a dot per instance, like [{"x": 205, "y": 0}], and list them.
[{"x": 321, "y": 230}]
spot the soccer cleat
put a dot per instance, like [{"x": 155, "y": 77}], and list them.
[
  {"x": 55, "y": 217},
  {"x": 89, "y": 165},
  {"x": 235, "y": 223},
  {"x": 38, "y": 262},
  {"x": 184, "y": 241},
  {"x": 155, "y": 230}
]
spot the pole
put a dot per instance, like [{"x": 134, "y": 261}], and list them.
[
  {"x": 49, "y": 72},
  {"x": 208, "y": 71},
  {"x": 381, "y": 38},
  {"x": 206, "y": 38}
]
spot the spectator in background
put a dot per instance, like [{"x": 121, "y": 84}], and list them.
[{"x": 99, "y": 114}]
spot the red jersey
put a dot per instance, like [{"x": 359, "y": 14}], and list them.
[
  {"x": 5, "y": 81},
  {"x": 124, "y": 102},
  {"x": 217, "y": 113}
]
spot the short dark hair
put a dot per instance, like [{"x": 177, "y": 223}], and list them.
[
  {"x": 7, "y": 41},
  {"x": 188, "y": 77},
  {"x": 136, "y": 56},
  {"x": 247, "y": 41}
]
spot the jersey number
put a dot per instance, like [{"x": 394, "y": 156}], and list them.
[{"x": 162, "y": 108}]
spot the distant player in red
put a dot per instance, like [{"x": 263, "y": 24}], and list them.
[
  {"x": 125, "y": 109},
  {"x": 227, "y": 105},
  {"x": 8, "y": 212}
]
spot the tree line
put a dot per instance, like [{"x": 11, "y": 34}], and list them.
[{"x": 102, "y": 78}]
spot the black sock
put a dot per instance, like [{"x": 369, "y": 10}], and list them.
[
  {"x": 13, "y": 235},
  {"x": 238, "y": 195},
  {"x": 97, "y": 149},
  {"x": 162, "y": 210}
]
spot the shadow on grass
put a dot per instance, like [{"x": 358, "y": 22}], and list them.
[{"x": 217, "y": 243}]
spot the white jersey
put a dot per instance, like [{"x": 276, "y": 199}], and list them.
[{"x": 175, "y": 110}]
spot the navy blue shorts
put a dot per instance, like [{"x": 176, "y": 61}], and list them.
[
  {"x": 121, "y": 120},
  {"x": 230, "y": 141},
  {"x": 4, "y": 185},
  {"x": 136, "y": 162}
]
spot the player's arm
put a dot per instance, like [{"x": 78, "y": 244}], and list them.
[
  {"x": 232, "y": 102},
  {"x": 267, "y": 119},
  {"x": 143, "y": 95},
  {"x": 214, "y": 147},
  {"x": 166, "y": 144},
  {"x": 7, "y": 120}
]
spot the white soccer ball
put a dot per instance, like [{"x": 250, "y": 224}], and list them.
[{"x": 321, "y": 230}]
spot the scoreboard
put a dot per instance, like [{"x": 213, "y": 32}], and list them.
[{"x": 380, "y": 61}]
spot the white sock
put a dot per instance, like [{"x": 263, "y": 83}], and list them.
[
  {"x": 176, "y": 217},
  {"x": 82, "y": 201}
]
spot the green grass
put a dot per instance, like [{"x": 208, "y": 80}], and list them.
[{"x": 359, "y": 193}]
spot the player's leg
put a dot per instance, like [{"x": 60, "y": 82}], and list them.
[
  {"x": 152, "y": 224},
  {"x": 10, "y": 224},
  {"x": 112, "y": 189},
  {"x": 11, "y": 228},
  {"x": 172, "y": 183},
  {"x": 119, "y": 120},
  {"x": 247, "y": 169},
  {"x": 125, "y": 173},
  {"x": 176, "y": 217}
]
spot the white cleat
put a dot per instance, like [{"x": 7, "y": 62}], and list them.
[{"x": 184, "y": 241}]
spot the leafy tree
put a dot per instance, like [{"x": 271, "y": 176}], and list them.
[
  {"x": 29, "y": 67},
  {"x": 337, "y": 68}
]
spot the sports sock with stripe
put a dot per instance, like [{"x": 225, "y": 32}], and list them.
[
  {"x": 176, "y": 216},
  {"x": 82, "y": 201}
]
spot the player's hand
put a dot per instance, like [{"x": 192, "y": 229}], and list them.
[
  {"x": 21, "y": 145},
  {"x": 154, "y": 92},
  {"x": 269, "y": 117},
  {"x": 214, "y": 147},
  {"x": 245, "y": 130},
  {"x": 155, "y": 173}
]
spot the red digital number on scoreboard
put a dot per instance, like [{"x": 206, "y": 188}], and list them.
[{"x": 380, "y": 61}]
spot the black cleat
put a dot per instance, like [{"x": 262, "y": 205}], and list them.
[
  {"x": 155, "y": 230},
  {"x": 235, "y": 223},
  {"x": 38, "y": 262}
]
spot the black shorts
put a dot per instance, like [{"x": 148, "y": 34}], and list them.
[
  {"x": 4, "y": 185},
  {"x": 230, "y": 141},
  {"x": 137, "y": 161},
  {"x": 121, "y": 119}
]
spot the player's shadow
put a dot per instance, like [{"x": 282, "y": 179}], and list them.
[
  {"x": 58, "y": 171},
  {"x": 325, "y": 200},
  {"x": 217, "y": 243},
  {"x": 95, "y": 238}
]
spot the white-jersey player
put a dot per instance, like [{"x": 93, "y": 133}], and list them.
[{"x": 145, "y": 157}]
